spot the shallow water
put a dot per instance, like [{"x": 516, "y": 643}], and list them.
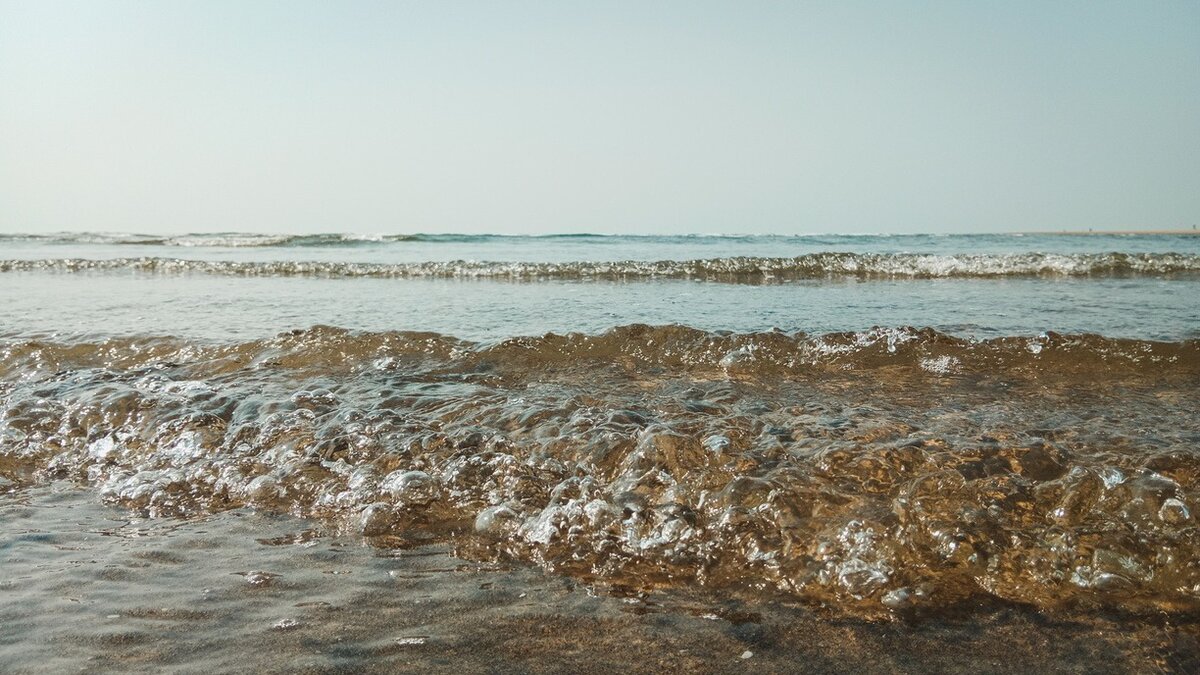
[
  {"x": 788, "y": 440},
  {"x": 90, "y": 588},
  {"x": 493, "y": 288},
  {"x": 218, "y": 308},
  {"x": 869, "y": 470}
]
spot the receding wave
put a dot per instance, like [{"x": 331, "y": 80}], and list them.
[
  {"x": 886, "y": 470},
  {"x": 730, "y": 270}
]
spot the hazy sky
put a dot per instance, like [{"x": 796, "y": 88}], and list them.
[{"x": 601, "y": 116}]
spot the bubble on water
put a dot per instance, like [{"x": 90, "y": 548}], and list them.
[
  {"x": 102, "y": 449},
  {"x": 409, "y": 487},
  {"x": 941, "y": 365},
  {"x": 738, "y": 359},
  {"x": 717, "y": 443},
  {"x": 259, "y": 578},
  {"x": 1174, "y": 512},
  {"x": 377, "y": 519},
  {"x": 1112, "y": 476},
  {"x": 264, "y": 489},
  {"x": 497, "y": 520}
]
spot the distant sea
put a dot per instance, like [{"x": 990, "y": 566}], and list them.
[{"x": 485, "y": 287}]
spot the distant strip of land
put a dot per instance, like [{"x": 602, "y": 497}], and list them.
[{"x": 1192, "y": 231}]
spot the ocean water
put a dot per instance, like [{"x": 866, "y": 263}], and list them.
[
  {"x": 868, "y": 428},
  {"x": 222, "y": 286}
]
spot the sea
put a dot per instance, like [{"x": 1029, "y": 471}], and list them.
[{"x": 229, "y": 452}]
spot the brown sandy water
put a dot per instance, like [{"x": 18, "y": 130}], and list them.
[
  {"x": 92, "y": 588},
  {"x": 894, "y": 471}
]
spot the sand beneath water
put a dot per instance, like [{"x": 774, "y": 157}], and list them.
[{"x": 91, "y": 588}]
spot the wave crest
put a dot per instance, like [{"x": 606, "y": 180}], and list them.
[
  {"x": 750, "y": 270},
  {"x": 680, "y": 348}
]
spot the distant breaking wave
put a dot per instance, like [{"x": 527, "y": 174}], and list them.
[
  {"x": 748, "y": 270},
  {"x": 237, "y": 239},
  {"x": 350, "y": 240},
  {"x": 340, "y": 240}
]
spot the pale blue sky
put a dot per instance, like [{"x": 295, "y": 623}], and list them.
[{"x": 603, "y": 117}]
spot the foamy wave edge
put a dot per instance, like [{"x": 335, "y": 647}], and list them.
[{"x": 728, "y": 270}]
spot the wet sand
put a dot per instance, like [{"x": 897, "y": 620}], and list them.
[{"x": 93, "y": 588}]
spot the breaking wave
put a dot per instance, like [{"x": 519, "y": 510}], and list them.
[
  {"x": 230, "y": 239},
  {"x": 882, "y": 471},
  {"x": 258, "y": 240},
  {"x": 730, "y": 270}
]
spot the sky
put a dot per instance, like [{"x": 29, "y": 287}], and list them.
[{"x": 614, "y": 117}]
